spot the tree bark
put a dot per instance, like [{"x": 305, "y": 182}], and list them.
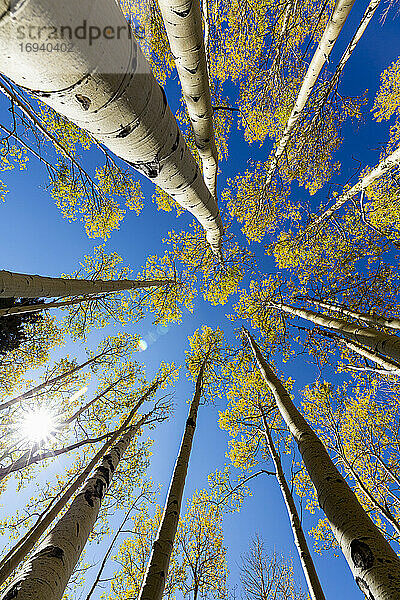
[
  {"x": 386, "y": 165},
  {"x": 105, "y": 86},
  {"x": 18, "y": 285},
  {"x": 374, "y": 564},
  {"x": 372, "y": 319},
  {"x": 21, "y": 310},
  {"x": 378, "y": 341},
  {"x": 310, "y": 573},
  {"x": 182, "y": 20},
  {"x": 47, "y": 573},
  {"x": 321, "y": 55},
  {"x": 157, "y": 568}
]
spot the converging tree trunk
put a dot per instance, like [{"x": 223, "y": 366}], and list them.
[
  {"x": 340, "y": 13},
  {"x": 18, "y": 285},
  {"x": 21, "y": 309},
  {"x": 378, "y": 341},
  {"x": 386, "y": 165},
  {"x": 105, "y": 86},
  {"x": 48, "y": 571},
  {"x": 307, "y": 563},
  {"x": 375, "y": 565},
  {"x": 365, "y": 20},
  {"x": 157, "y": 568},
  {"x": 371, "y": 318},
  {"x": 182, "y": 20}
]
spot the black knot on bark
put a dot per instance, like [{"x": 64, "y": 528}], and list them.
[
  {"x": 105, "y": 473},
  {"x": 361, "y": 554},
  {"x": 109, "y": 461},
  {"x": 190, "y": 422},
  {"x": 51, "y": 552},
  {"x": 12, "y": 592},
  {"x": 84, "y": 101}
]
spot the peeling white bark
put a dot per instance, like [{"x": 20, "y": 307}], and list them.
[
  {"x": 157, "y": 568},
  {"x": 378, "y": 341},
  {"x": 373, "y": 562},
  {"x": 182, "y": 19},
  {"x": 104, "y": 85},
  {"x": 19, "y": 285},
  {"x": 341, "y": 11},
  {"x": 47, "y": 572}
]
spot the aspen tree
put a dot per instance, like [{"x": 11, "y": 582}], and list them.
[
  {"x": 182, "y": 20},
  {"x": 157, "y": 568},
  {"x": 374, "y": 564},
  {"x": 18, "y": 285},
  {"x": 371, "y": 318},
  {"x": 47, "y": 572},
  {"x": 378, "y": 341},
  {"x": 105, "y": 87},
  {"x": 325, "y": 47},
  {"x": 310, "y": 573},
  {"x": 385, "y": 166},
  {"x": 205, "y": 353}
]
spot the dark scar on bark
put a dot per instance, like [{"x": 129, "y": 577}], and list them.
[
  {"x": 190, "y": 422},
  {"x": 13, "y": 591},
  {"x": 124, "y": 131},
  {"x": 361, "y": 554},
  {"x": 108, "y": 459},
  {"x": 105, "y": 472},
  {"x": 84, "y": 101},
  {"x": 51, "y": 552}
]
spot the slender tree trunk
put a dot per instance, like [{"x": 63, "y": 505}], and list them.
[
  {"x": 372, "y": 319},
  {"x": 378, "y": 341},
  {"x": 47, "y": 573},
  {"x": 375, "y": 565},
  {"x": 157, "y": 568},
  {"x": 105, "y": 86},
  {"x": 388, "y": 366},
  {"x": 108, "y": 552},
  {"x": 182, "y": 20},
  {"x": 365, "y": 20},
  {"x": 310, "y": 573},
  {"x": 19, "y": 310},
  {"x": 18, "y": 285},
  {"x": 386, "y": 165},
  {"x": 321, "y": 55},
  {"x": 45, "y": 384}
]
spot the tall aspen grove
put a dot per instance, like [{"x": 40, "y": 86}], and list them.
[{"x": 199, "y": 300}]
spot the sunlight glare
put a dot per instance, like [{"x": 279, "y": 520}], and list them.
[{"x": 37, "y": 425}]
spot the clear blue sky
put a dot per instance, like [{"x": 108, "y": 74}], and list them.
[{"x": 34, "y": 238}]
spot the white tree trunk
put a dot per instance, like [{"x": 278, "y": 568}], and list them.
[
  {"x": 22, "y": 310},
  {"x": 313, "y": 583},
  {"x": 182, "y": 20},
  {"x": 372, "y": 319},
  {"x": 386, "y": 165},
  {"x": 321, "y": 55},
  {"x": 19, "y": 285},
  {"x": 157, "y": 568},
  {"x": 378, "y": 341},
  {"x": 47, "y": 572},
  {"x": 365, "y": 20},
  {"x": 375, "y": 565},
  {"x": 104, "y": 85}
]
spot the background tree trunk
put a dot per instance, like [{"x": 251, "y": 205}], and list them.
[{"x": 375, "y": 565}]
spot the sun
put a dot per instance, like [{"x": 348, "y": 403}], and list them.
[{"x": 37, "y": 426}]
